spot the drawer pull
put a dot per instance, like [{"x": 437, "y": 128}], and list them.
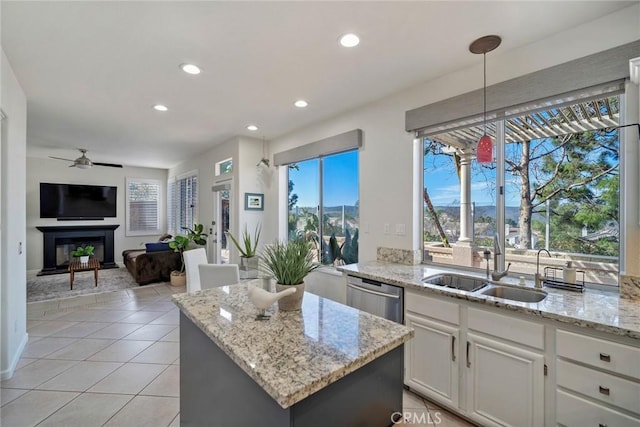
[
  {"x": 468, "y": 360},
  {"x": 605, "y": 357},
  {"x": 602, "y": 425},
  {"x": 604, "y": 390},
  {"x": 453, "y": 348}
]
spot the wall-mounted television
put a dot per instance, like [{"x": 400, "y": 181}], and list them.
[{"x": 71, "y": 201}]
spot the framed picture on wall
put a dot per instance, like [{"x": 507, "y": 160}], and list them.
[{"x": 253, "y": 201}]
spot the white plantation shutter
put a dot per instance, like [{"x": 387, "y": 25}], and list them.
[
  {"x": 171, "y": 206},
  {"x": 143, "y": 207},
  {"x": 182, "y": 205}
]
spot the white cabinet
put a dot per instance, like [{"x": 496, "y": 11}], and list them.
[
  {"x": 431, "y": 359},
  {"x": 485, "y": 366},
  {"x": 505, "y": 383},
  {"x": 597, "y": 380}
]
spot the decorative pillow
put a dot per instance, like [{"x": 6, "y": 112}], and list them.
[{"x": 157, "y": 247}]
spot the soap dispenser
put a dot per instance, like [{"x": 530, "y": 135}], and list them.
[{"x": 569, "y": 274}]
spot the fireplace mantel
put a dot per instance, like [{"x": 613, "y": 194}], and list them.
[{"x": 52, "y": 233}]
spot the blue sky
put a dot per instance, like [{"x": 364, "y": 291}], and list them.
[{"x": 340, "y": 180}]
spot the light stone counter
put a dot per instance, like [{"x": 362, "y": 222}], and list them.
[
  {"x": 601, "y": 310},
  {"x": 294, "y": 354}
]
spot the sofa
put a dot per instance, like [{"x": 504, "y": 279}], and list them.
[{"x": 152, "y": 264}]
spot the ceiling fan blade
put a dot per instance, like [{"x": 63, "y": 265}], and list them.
[
  {"x": 111, "y": 165},
  {"x": 61, "y": 158}
]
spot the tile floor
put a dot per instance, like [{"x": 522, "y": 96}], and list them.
[{"x": 112, "y": 359}]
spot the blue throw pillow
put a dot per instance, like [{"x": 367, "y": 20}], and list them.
[{"x": 157, "y": 247}]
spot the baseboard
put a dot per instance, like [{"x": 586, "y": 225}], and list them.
[{"x": 8, "y": 373}]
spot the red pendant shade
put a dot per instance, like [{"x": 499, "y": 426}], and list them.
[{"x": 484, "y": 150}]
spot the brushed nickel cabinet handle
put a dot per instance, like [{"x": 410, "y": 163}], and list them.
[
  {"x": 603, "y": 390},
  {"x": 453, "y": 348},
  {"x": 605, "y": 357},
  {"x": 468, "y": 361}
]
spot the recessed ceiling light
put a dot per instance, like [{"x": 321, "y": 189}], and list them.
[
  {"x": 349, "y": 40},
  {"x": 160, "y": 107},
  {"x": 190, "y": 68},
  {"x": 252, "y": 128},
  {"x": 301, "y": 103}
]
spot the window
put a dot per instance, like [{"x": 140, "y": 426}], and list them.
[
  {"x": 182, "y": 203},
  {"x": 323, "y": 205},
  {"x": 223, "y": 167},
  {"x": 143, "y": 207},
  {"x": 560, "y": 174}
]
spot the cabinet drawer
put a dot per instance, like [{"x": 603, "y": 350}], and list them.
[
  {"x": 576, "y": 411},
  {"x": 618, "y": 358},
  {"x": 599, "y": 385},
  {"x": 507, "y": 327},
  {"x": 432, "y": 307}
]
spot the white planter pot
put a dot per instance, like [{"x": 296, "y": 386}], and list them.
[{"x": 84, "y": 259}]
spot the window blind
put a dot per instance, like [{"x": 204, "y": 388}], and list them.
[
  {"x": 332, "y": 145},
  {"x": 182, "y": 206},
  {"x": 143, "y": 207}
]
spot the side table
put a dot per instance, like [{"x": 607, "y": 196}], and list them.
[{"x": 76, "y": 265}]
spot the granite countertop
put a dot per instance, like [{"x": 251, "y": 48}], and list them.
[
  {"x": 601, "y": 310},
  {"x": 296, "y": 353}
]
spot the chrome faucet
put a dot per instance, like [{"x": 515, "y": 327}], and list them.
[
  {"x": 538, "y": 278},
  {"x": 496, "y": 275}
]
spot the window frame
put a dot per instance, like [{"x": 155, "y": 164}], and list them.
[
  {"x": 174, "y": 201},
  {"x": 159, "y": 203}
]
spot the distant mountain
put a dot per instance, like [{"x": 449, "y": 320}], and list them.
[{"x": 511, "y": 212}]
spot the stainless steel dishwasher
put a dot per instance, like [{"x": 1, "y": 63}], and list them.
[{"x": 376, "y": 298}]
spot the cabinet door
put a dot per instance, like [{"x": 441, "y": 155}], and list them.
[
  {"x": 505, "y": 383},
  {"x": 431, "y": 359}
]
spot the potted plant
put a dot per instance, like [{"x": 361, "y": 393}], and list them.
[
  {"x": 247, "y": 248},
  {"x": 289, "y": 263},
  {"x": 180, "y": 244},
  {"x": 83, "y": 252}
]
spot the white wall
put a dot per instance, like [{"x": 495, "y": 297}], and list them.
[
  {"x": 12, "y": 215},
  {"x": 246, "y": 153},
  {"x": 388, "y": 192},
  {"x": 56, "y": 171}
]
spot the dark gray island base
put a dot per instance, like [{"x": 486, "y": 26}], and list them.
[{"x": 214, "y": 391}]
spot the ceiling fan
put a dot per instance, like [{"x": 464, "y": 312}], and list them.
[{"x": 83, "y": 162}]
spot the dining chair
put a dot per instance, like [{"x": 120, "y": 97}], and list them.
[
  {"x": 215, "y": 275},
  {"x": 192, "y": 259}
]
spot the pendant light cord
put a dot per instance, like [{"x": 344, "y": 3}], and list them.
[{"x": 484, "y": 59}]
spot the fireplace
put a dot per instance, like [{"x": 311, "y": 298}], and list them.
[{"x": 60, "y": 241}]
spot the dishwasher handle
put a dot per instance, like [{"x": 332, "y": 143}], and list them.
[{"x": 381, "y": 294}]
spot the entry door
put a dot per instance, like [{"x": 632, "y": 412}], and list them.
[{"x": 221, "y": 222}]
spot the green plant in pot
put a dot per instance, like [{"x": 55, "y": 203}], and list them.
[
  {"x": 182, "y": 243},
  {"x": 83, "y": 252},
  {"x": 247, "y": 247},
  {"x": 289, "y": 263}
]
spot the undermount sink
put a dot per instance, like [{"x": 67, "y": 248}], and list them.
[
  {"x": 456, "y": 281},
  {"x": 515, "y": 294}
]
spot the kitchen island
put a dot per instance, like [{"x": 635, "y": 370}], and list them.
[{"x": 327, "y": 364}]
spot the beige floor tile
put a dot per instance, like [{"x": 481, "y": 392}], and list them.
[
  {"x": 163, "y": 306},
  {"x": 142, "y": 292},
  {"x": 115, "y": 331},
  {"x": 143, "y": 317},
  {"x": 166, "y": 384},
  {"x": 77, "y": 301},
  {"x": 120, "y": 351},
  {"x": 80, "y": 377},
  {"x": 89, "y": 315},
  {"x": 43, "y": 305},
  {"x": 127, "y": 305},
  {"x": 81, "y": 349},
  {"x": 33, "y": 407},
  {"x": 36, "y": 373},
  {"x": 170, "y": 318},
  {"x": 80, "y": 329},
  {"x": 175, "y": 422},
  {"x": 43, "y": 328},
  {"x": 173, "y": 336},
  {"x": 9, "y": 394},
  {"x": 88, "y": 409},
  {"x": 24, "y": 361},
  {"x": 150, "y": 332},
  {"x": 177, "y": 362},
  {"x": 159, "y": 352},
  {"x": 55, "y": 314},
  {"x": 412, "y": 400},
  {"x": 146, "y": 411},
  {"x": 446, "y": 418},
  {"x": 112, "y": 296},
  {"x": 131, "y": 378},
  {"x": 44, "y": 346}
]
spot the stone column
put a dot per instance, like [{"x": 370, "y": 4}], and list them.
[{"x": 465, "y": 195}]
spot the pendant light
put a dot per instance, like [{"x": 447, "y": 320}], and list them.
[{"x": 484, "y": 149}]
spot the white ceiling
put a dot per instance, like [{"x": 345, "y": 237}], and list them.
[{"x": 92, "y": 70}]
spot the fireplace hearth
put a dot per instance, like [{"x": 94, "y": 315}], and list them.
[{"x": 60, "y": 241}]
